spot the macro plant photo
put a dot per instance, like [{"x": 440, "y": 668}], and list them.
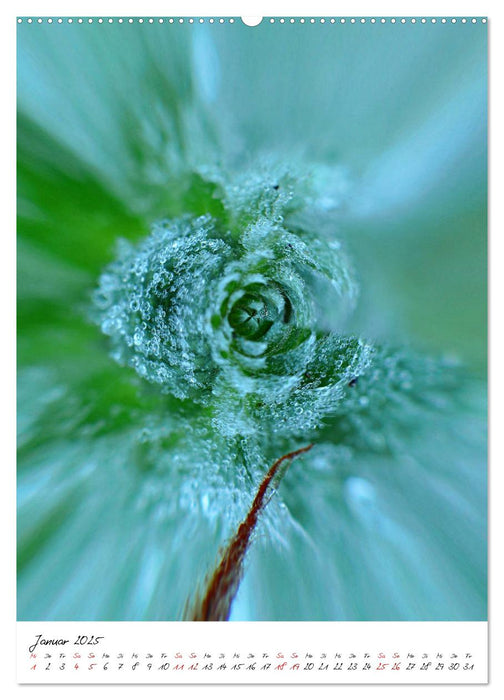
[{"x": 252, "y": 301}]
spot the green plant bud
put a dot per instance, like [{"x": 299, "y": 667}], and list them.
[{"x": 245, "y": 317}]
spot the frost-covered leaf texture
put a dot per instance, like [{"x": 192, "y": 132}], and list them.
[
  {"x": 198, "y": 207},
  {"x": 240, "y": 313}
]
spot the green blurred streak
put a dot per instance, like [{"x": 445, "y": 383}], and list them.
[
  {"x": 63, "y": 207},
  {"x": 31, "y": 544}
]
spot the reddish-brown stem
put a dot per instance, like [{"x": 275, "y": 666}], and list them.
[{"x": 223, "y": 585}]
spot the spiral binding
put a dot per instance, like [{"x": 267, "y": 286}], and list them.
[{"x": 271, "y": 20}]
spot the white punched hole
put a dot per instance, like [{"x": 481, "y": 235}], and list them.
[{"x": 251, "y": 21}]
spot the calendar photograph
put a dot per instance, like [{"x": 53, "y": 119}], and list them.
[{"x": 251, "y": 326}]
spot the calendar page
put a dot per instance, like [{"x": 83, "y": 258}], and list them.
[
  {"x": 253, "y": 652},
  {"x": 252, "y": 302}
]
